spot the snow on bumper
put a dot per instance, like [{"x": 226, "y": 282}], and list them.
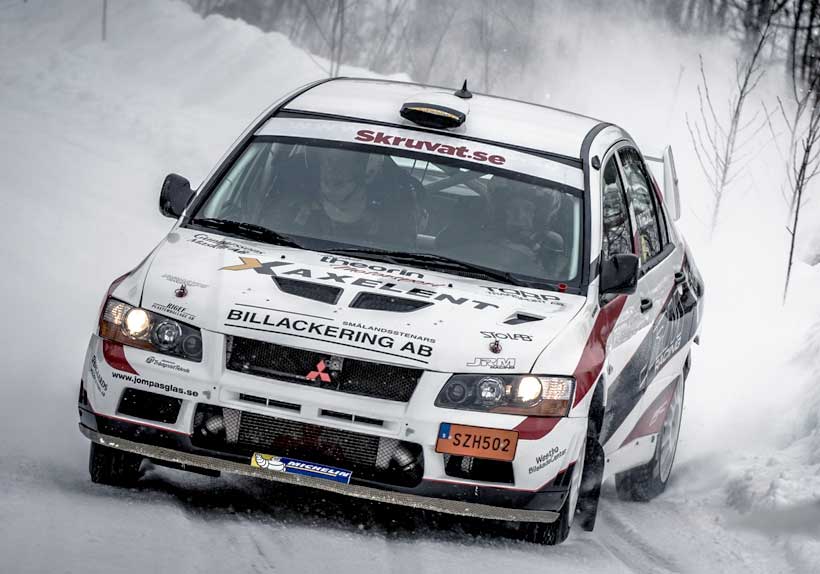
[{"x": 541, "y": 469}]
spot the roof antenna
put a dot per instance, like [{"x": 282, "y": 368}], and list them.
[{"x": 464, "y": 93}]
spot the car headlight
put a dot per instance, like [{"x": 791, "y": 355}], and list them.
[
  {"x": 530, "y": 395},
  {"x": 145, "y": 329}
]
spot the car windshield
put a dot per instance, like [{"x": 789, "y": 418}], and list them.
[{"x": 433, "y": 211}]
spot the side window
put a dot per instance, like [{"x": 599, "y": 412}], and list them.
[
  {"x": 643, "y": 203},
  {"x": 617, "y": 230}
]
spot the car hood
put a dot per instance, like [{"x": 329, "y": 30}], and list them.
[{"x": 353, "y": 307}]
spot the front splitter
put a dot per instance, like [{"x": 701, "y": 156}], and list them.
[{"x": 469, "y": 509}]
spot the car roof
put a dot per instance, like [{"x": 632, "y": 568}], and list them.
[{"x": 494, "y": 119}]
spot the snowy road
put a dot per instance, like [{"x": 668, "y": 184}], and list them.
[
  {"x": 87, "y": 134},
  {"x": 175, "y": 522}
]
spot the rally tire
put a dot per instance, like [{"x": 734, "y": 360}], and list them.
[
  {"x": 112, "y": 466},
  {"x": 586, "y": 509},
  {"x": 648, "y": 481},
  {"x": 548, "y": 534}
]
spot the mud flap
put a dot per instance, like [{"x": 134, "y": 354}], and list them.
[{"x": 591, "y": 479}]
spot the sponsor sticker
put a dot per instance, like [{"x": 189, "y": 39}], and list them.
[
  {"x": 382, "y": 138},
  {"x": 506, "y": 336},
  {"x": 166, "y": 364},
  {"x": 294, "y": 466},
  {"x": 384, "y": 341},
  {"x": 544, "y": 460},
  {"x": 218, "y": 243},
  {"x": 555, "y": 303},
  {"x": 167, "y": 387},
  {"x": 493, "y": 363},
  {"x": 393, "y": 280},
  {"x": 101, "y": 385},
  {"x": 462, "y": 440},
  {"x": 174, "y": 310},
  {"x": 182, "y": 281}
]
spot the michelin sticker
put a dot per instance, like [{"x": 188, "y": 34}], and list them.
[{"x": 293, "y": 466}]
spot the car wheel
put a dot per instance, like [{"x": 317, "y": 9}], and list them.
[
  {"x": 548, "y": 534},
  {"x": 552, "y": 533},
  {"x": 112, "y": 466},
  {"x": 648, "y": 481}
]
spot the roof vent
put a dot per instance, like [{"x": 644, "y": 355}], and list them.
[
  {"x": 308, "y": 290},
  {"x": 378, "y": 302},
  {"x": 436, "y": 110},
  {"x": 520, "y": 318}
]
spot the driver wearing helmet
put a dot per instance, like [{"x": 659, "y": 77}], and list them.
[
  {"x": 352, "y": 196},
  {"x": 525, "y": 214}
]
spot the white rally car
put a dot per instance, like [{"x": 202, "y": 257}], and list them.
[{"x": 454, "y": 302}]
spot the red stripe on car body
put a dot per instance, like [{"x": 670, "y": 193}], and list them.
[
  {"x": 114, "y": 354},
  {"x": 587, "y": 371},
  {"x": 652, "y": 419}
]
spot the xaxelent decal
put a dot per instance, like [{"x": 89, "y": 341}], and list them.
[
  {"x": 492, "y": 363},
  {"x": 546, "y": 459},
  {"x": 175, "y": 310},
  {"x": 506, "y": 336},
  {"x": 168, "y": 388},
  {"x": 282, "y": 322},
  {"x": 267, "y": 268},
  {"x": 215, "y": 243},
  {"x": 370, "y": 136}
]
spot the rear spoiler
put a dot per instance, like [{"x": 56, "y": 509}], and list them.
[{"x": 668, "y": 180}]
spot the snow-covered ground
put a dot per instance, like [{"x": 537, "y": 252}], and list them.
[{"x": 88, "y": 131}]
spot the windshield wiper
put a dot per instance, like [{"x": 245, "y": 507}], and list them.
[
  {"x": 428, "y": 261},
  {"x": 247, "y": 231}
]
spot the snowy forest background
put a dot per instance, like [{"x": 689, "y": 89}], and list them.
[
  {"x": 100, "y": 99},
  {"x": 511, "y": 47}
]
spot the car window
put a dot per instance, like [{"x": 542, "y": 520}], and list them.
[
  {"x": 328, "y": 195},
  {"x": 643, "y": 203},
  {"x": 617, "y": 230}
]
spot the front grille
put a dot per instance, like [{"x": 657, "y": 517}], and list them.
[
  {"x": 291, "y": 365},
  {"x": 369, "y": 457}
]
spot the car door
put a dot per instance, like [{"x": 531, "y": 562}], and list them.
[
  {"x": 658, "y": 322},
  {"x": 618, "y": 237}
]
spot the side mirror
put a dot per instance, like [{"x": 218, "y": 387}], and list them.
[
  {"x": 175, "y": 194},
  {"x": 619, "y": 274}
]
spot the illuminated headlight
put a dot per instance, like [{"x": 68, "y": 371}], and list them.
[
  {"x": 530, "y": 395},
  {"x": 147, "y": 330},
  {"x": 136, "y": 324}
]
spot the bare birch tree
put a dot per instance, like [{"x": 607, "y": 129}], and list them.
[{"x": 716, "y": 141}]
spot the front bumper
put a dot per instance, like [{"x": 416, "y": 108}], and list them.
[
  {"x": 456, "y": 505},
  {"x": 537, "y": 494}
]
